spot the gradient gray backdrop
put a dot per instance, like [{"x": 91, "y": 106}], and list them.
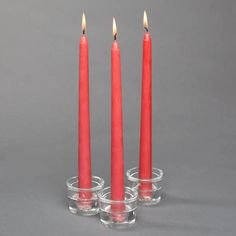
[{"x": 194, "y": 111}]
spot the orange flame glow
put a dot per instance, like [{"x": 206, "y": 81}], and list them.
[
  {"x": 114, "y": 28},
  {"x": 83, "y": 26},
  {"x": 145, "y": 20}
]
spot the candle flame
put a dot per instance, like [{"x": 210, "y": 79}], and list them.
[
  {"x": 114, "y": 28},
  {"x": 83, "y": 23},
  {"x": 145, "y": 20}
]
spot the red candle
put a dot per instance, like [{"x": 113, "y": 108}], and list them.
[
  {"x": 145, "y": 161},
  {"x": 117, "y": 161},
  {"x": 84, "y": 159}
]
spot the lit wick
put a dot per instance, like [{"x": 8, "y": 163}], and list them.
[
  {"x": 83, "y": 26},
  {"x": 114, "y": 29},
  {"x": 145, "y": 21}
]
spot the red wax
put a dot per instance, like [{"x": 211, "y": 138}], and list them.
[
  {"x": 117, "y": 160},
  {"x": 145, "y": 161},
  {"x": 84, "y": 159}
]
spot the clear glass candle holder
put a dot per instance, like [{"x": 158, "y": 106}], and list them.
[
  {"x": 84, "y": 201},
  {"x": 149, "y": 190},
  {"x": 118, "y": 214}
]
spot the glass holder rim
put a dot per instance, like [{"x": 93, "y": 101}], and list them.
[
  {"x": 125, "y": 201},
  {"x": 99, "y": 184},
  {"x": 157, "y": 172}
]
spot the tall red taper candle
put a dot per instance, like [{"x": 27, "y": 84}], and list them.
[
  {"x": 145, "y": 161},
  {"x": 117, "y": 161},
  {"x": 84, "y": 159}
]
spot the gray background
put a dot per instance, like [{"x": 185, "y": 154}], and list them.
[{"x": 194, "y": 106}]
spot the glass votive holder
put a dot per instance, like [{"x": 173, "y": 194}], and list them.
[
  {"x": 118, "y": 214},
  {"x": 149, "y": 190},
  {"x": 83, "y": 201}
]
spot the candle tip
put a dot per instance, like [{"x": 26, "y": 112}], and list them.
[
  {"x": 83, "y": 23},
  {"x": 145, "y": 21},
  {"x": 114, "y": 28}
]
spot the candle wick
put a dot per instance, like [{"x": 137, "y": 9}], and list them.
[
  {"x": 114, "y": 37},
  {"x": 83, "y": 31},
  {"x": 146, "y": 28}
]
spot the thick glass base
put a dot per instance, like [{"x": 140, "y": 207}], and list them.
[
  {"x": 84, "y": 201},
  {"x": 118, "y": 214},
  {"x": 149, "y": 190},
  {"x": 78, "y": 208},
  {"x": 150, "y": 200},
  {"x": 118, "y": 221}
]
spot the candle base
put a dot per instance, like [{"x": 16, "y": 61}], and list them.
[
  {"x": 83, "y": 201},
  {"x": 118, "y": 214},
  {"x": 149, "y": 190}
]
